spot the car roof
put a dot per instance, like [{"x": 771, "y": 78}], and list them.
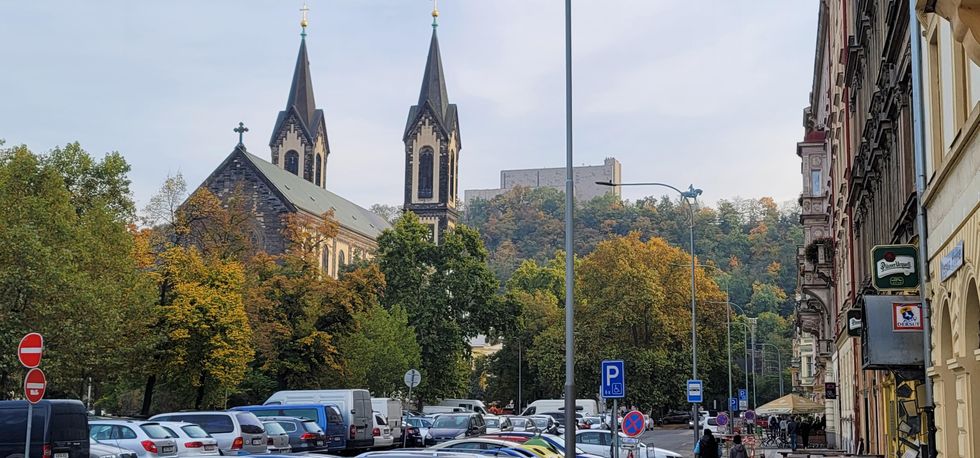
[{"x": 124, "y": 421}]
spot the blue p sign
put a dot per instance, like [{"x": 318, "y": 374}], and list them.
[
  {"x": 733, "y": 404},
  {"x": 613, "y": 380}
]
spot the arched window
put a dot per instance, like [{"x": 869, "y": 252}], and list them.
[
  {"x": 425, "y": 173},
  {"x": 292, "y": 162},
  {"x": 319, "y": 168},
  {"x": 325, "y": 260},
  {"x": 341, "y": 260}
]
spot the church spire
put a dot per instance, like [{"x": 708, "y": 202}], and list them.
[
  {"x": 301, "y": 91},
  {"x": 434, "y": 81}
]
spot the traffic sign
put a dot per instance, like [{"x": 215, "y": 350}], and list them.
[
  {"x": 613, "y": 380},
  {"x": 29, "y": 350},
  {"x": 749, "y": 415},
  {"x": 634, "y": 424},
  {"x": 695, "y": 391},
  {"x": 413, "y": 378},
  {"x": 722, "y": 419},
  {"x": 34, "y": 385},
  {"x": 743, "y": 404},
  {"x": 743, "y": 394},
  {"x": 733, "y": 404}
]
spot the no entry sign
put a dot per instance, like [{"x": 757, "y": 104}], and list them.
[
  {"x": 34, "y": 385},
  {"x": 29, "y": 350}
]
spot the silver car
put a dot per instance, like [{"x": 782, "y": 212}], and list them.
[
  {"x": 100, "y": 450},
  {"x": 191, "y": 439},
  {"x": 146, "y": 438},
  {"x": 278, "y": 437},
  {"x": 238, "y": 433}
]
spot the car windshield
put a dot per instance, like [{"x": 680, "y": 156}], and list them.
[
  {"x": 156, "y": 431},
  {"x": 518, "y": 422},
  {"x": 273, "y": 428},
  {"x": 540, "y": 422},
  {"x": 451, "y": 422},
  {"x": 194, "y": 431},
  {"x": 493, "y": 422}
]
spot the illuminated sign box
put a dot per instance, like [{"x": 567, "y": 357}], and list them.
[{"x": 892, "y": 332}]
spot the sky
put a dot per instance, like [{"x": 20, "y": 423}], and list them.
[{"x": 709, "y": 92}]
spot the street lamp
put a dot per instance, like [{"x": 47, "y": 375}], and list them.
[
  {"x": 779, "y": 361},
  {"x": 691, "y": 194},
  {"x": 746, "y": 371}
]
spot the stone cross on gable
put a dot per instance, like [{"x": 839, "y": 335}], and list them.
[{"x": 240, "y": 130}]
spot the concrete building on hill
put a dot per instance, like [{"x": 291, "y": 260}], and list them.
[{"x": 585, "y": 177}]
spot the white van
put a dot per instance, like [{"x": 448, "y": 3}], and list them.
[
  {"x": 472, "y": 405},
  {"x": 391, "y": 410},
  {"x": 586, "y": 407},
  {"x": 355, "y": 407},
  {"x": 435, "y": 410}
]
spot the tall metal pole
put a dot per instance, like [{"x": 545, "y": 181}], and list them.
[
  {"x": 569, "y": 247},
  {"x": 779, "y": 363},
  {"x": 694, "y": 327},
  {"x": 30, "y": 421},
  {"x": 918, "y": 147},
  {"x": 755, "y": 380},
  {"x": 728, "y": 320},
  {"x": 520, "y": 377}
]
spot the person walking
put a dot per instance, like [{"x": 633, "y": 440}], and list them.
[
  {"x": 738, "y": 450},
  {"x": 783, "y": 424},
  {"x": 791, "y": 430},
  {"x": 805, "y": 427},
  {"x": 707, "y": 446}
]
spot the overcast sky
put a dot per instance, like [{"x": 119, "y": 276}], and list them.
[{"x": 706, "y": 92}]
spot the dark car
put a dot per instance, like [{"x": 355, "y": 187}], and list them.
[
  {"x": 412, "y": 436},
  {"x": 59, "y": 429},
  {"x": 450, "y": 426},
  {"x": 304, "y": 434},
  {"x": 675, "y": 417}
]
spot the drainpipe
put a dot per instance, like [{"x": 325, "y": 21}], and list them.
[{"x": 918, "y": 135}]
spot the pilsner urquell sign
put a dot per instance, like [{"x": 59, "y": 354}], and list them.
[{"x": 895, "y": 267}]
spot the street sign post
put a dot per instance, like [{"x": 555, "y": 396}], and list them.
[
  {"x": 733, "y": 404},
  {"x": 613, "y": 380},
  {"x": 695, "y": 391},
  {"x": 749, "y": 415},
  {"x": 34, "y": 385},
  {"x": 722, "y": 419},
  {"x": 634, "y": 424},
  {"x": 412, "y": 380},
  {"x": 29, "y": 350}
]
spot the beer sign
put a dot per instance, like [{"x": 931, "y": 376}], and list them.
[{"x": 895, "y": 267}]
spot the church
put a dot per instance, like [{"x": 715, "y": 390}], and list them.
[{"x": 294, "y": 179}]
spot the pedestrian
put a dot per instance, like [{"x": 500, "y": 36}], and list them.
[
  {"x": 783, "y": 424},
  {"x": 738, "y": 450},
  {"x": 805, "y": 426},
  {"x": 791, "y": 430},
  {"x": 708, "y": 446},
  {"x": 773, "y": 426}
]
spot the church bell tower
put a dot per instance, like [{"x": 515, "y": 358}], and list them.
[
  {"x": 432, "y": 146},
  {"x": 299, "y": 140}
]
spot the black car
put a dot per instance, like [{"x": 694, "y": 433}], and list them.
[
  {"x": 412, "y": 437},
  {"x": 675, "y": 417},
  {"x": 59, "y": 429},
  {"x": 450, "y": 426}
]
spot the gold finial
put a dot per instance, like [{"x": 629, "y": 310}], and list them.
[
  {"x": 435, "y": 13},
  {"x": 305, "y": 21}
]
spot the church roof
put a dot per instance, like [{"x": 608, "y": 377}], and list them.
[
  {"x": 433, "y": 93},
  {"x": 300, "y": 101},
  {"x": 316, "y": 200}
]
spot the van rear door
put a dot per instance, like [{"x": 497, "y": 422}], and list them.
[
  {"x": 68, "y": 429},
  {"x": 362, "y": 419}
]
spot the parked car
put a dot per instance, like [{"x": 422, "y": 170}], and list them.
[
  {"x": 469, "y": 405},
  {"x": 582, "y": 406},
  {"x": 560, "y": 419},
  {"x": 545, "y": 423},
  {"x": 327, "y": 416},
  {"x": 497, "y": 424},
  {"x": 147, "y": 438},
  {"x": 455, "y": 426},
  {"x": 97, "y": 450},
  {"x": 59, "y": 428},
  {"x": 236, "y": 432},
  {"x": 421, "y": 423},
  {"x": 412, "y": 437},
  {"x": 191, "y": 439},
  {"x": 600, "y": 443},
  {"x": 354, "y": 406},
  {"x": 391, "y": 410},
  {"x": 523, "y": 424},
  {"x": 675, "y": 417},
  {"x": 304, "y": 435},
  {"x": 278, "y": 439},
  {"x": 592, "y": 423},
  {"x": 555, "y": 441},
  {"x": 381, "y": 432}
]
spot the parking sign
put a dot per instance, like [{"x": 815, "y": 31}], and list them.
[{"x": 613, "y": 380}]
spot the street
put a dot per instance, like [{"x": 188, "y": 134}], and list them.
[{"x": 676, "y": 438}]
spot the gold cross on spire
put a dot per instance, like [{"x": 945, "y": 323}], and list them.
[
  {"x": 435, "y": 13},
  {"x": 304, "y": 21}
]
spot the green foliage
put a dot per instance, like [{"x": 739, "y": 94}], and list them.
[
  {"x": 379, "y": 350},
  {"x": 448, "y": 292}
]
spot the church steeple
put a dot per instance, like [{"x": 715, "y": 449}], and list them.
[
  {"x": 432, "y": 145},
  {"x": 299, "y": 139}
]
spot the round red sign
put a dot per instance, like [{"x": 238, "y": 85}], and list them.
[
  {"x": 29, "y": 350},
  {"x": 34, "y": 385},
  {"x": 633, "y": 424}
]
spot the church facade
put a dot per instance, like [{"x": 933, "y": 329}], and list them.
[{"x": 294, "y": 179}]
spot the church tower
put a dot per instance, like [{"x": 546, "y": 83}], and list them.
[
  {"x": 299, "y": 140},
  {"x": 432, "y": 147}
]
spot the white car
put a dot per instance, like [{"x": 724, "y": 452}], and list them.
[
  {"x": 147, "y": 438},
  {"x": 497, "y": 424},
  {"x": 191, "y": 439},
  {"x": 381, "y": 432},
  {"x": 599, "y": 442},
  {"x": 99, "y": 450}
]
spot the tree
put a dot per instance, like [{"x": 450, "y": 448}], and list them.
[
  {"x": 448, "y": 292},
  {"x": 389, "y": 212},
  {"x": 379, "y": 350}
]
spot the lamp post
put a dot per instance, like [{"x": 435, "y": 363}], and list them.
[
  {"x": 755, "y": 381},
  {"x": 728, "y": 324},
  {"x": 779, "y": 361},
  {"x": 569, "y": 244},
  {"x": 746, "y": 357},
  {"x": 691, "y": 194}
]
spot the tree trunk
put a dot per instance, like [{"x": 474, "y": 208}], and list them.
[
  {"x": 151, "y": 381},
  {"x": 200, "y": 392}
]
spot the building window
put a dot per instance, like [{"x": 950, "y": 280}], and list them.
[
  {"x": 432, "y": 232},
  {"x": 425, "y": 173},
  {"x": 319, "y": 168},
  {"x": 946, "y": 82},
  {"x": 292, "y": 162},
  {"x": 341, "y": 260},
  {"x": 815, "y": 181},
  {"x": 325, "y": 260}
]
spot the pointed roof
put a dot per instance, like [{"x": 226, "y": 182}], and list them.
[
  {"x": 433, "y": 93},
  {"x": 300, "y": 101}
]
